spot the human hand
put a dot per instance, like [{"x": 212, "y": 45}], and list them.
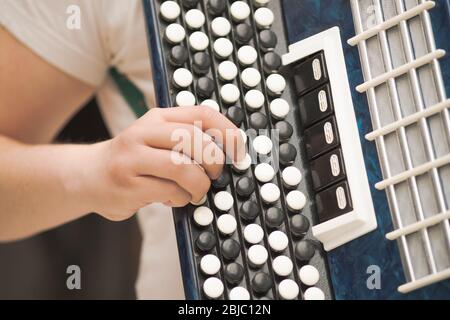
[{"x": 168, "y": 156}]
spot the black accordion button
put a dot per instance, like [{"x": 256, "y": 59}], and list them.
[
  {"x": 274, "y": 217},
  {"x": 304, "y": 250},
  {"x": 288, "y": 153},
  {"x": 245, "y": 186},
  {"x": 285, "y": 130},
  {"x": 271, "y": 62},
  {"x": 261, "y": 283},
  {"x": 243, "y": 34},
  {"x": 267, "y": 40},
  {"x": 178, "y": 56},
  {"x": 206, "y": 241},
  {"x": 189, "y": 4},
  {"x": 234, "y": 273},
  {"x": 201, "y": 63},
  {"x": 236, "y": 115},
  {"x": 205, "y": 87},
  {"x": 217, "y": 7},
  {"x": 223, "y": 181},
  {"x": 299, "y": 225},
  {"x": 258, "y": 121},
  {"x": 231, "y": 249},
  {"x": 249, "y": 210}
]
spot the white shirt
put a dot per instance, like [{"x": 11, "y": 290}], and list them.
[{"x": 112, "y": 34}]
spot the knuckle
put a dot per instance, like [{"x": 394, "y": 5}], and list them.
[
  {"x": 216, "y": 171},
  {"x": 152, "y": 115},
  {"x": 201, "y": 185},
  {"x": 185, "y": 202},
  {"x": 126, "y": 140},
  {"x": 205, "y": 186},
  {"x": 220, "y": 158}
]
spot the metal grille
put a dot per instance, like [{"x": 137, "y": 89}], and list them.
[{"x": 410, "y": 117}]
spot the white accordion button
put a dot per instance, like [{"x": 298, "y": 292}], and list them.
[
  {"x": 221, "y": 27},
  {"x": 223, "y": 48},
  {"x": 288, "y": 289},
  {"x": 195, "y": 19},
  {"x": 309, "y": 275},
  {"x": 261, "y": 2},
  {"x": 227, "y": 224},
  {"x": 276, "y": 84},
  {"x": 257, "y": 255},
  {"x": 314, "y": 293},
  {"x": 227, "y": 71},
  {"x": 262, "y": 145},
  {"x": 264, "y": 172},
  {"x": 251, "y": 77},
  {"x": 239, "y": 293},
  {"x": 230, "y": 93},
  {"x": 278, "y": 241},
  {"x": 247, "y": 55},
  {"x": 253, "y": 233},
  {"x": 182, "y": 78},
  {"x": 264, "y": 17},
  {"x": 185, "y": 99},
  {"x": 198, "y": 41},
  {"x": 175, "y": 33},
  {"x": 296, "y": 200},
  {"x": 213, "y": 288},
  {"x": 223, "y": 201},
  {"x": 170, "y": 10},
  {"x": 270, "y": 193},
  {"x": 243, "y": 165},
  {"x": 279, "y": 108},
  {"x": 292, "y": 177},
  {"x": 244, "y": 136},
  {"x": 210, "y": 264},
  {"x": 203, "y": 216},
  {"x": 282, "y": 266},
  {"x": 239, "y": 11},
  {"x": 254, "y": 99},
  {"x": 211, "y": 104}
]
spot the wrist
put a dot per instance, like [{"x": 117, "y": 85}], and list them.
[{"x": 82, "y": 175}]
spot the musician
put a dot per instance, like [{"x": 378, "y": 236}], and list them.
[{"x": 48, "y": 70}]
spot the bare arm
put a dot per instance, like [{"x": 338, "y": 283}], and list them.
[
  {"x": 38, "y": 187},
  {"x": 43, "y": 186},
  {"x": 36, "y": 99}
]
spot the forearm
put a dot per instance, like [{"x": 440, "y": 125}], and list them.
[{"x": 42, "y": 186}]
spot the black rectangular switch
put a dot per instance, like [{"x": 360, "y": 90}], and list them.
[
  {"x": 310, "y": 74},
  {"x": 321, "y": 138},
  {"x": 327, "y": 169},
  {"x": 334, "y": 202},
  {"x": 316, "y": 105}
]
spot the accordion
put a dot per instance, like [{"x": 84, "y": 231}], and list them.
[{"x": 350, "y": 97}]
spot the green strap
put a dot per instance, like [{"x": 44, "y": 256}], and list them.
[{"x": 132, "y": 95}]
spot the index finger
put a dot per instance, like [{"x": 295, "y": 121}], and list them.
[{"x": 212, "y": 122}]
